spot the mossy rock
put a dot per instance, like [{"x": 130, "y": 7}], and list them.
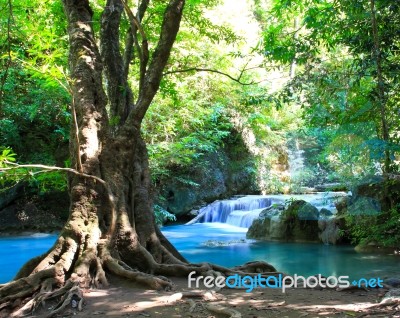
[
  {"x": 325, "y": 213},
  {"x": 301, "y": 210},
  {"x": 299, "y": 223}
]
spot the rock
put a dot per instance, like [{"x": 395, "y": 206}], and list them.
[
  {"x": 255, "y": 267},
  {"x": 268, "y": 225},
  {"x": 364, "y": 206},
  {"x": 219, "y": 175},
  {"x": 382, "y": 191},
  {"x": 393, "y": 282},
  {"x": 273, "y": 210},
  {"x": 259, "y": 229},
  {"x": 299, "y": 222},
  {"x": 330, "y": 231},
  {"x": 11, "y": 194},
  {"x": 341, "y": 205},
  {"x": 372, "y": 247},
  {"x": 325, "y": 213},
  {"x": 267, "y": 229},
  {"x": 392, "y": 297},
  {"x": 193, "y": 213},
  {"x": 215, "y": 243},
  {"x": 302, "y": 210},
  {"x": 35, "y": 213}
]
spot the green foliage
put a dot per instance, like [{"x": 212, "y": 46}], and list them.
[
  {"x": 7, "y": 155},
  {"x": 35, "y": 120},
  {"x": 34, "y": 98},
  {"x": 332, "y": 105},
  {"x": 382, "y": 229},
  {"x": 337, "y": 82},
  {"x": 186, "y": 140},
  {"x": 43, "y": 180},
  {"x": 162, "y": 215}
]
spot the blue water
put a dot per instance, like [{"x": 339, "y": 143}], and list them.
[
  {"x": 15, "y": 251},
  {"x": 291, "y": 258}
]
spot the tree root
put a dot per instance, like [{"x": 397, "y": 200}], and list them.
[
  {"x": 205, "y": 296},
  {"x": 24, "y": 287},
  {"x": 69, "y": 292},
  {"x": 40, "y": 298},
  {"x": 119, "y": 268},
  {"x": 231, "y": 313},
  {"x": 74, "y": 295},
  {"x": 192, "y": 305},
  {"x": 387, "y": 302},
  {"x": 255, "y": 267},
  {"x": 79, "y": 261}
]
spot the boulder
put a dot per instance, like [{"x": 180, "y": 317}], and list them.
[
  {"x": 330, "y": 231},
  {"x": 268, "y": 225},
  {"x": 302, "y": 210},
  {"x": 301, "y": 220},
  {"x": 325, "y": 213},
  {"x": 299, "y": 223}
]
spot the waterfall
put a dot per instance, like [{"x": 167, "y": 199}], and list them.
[
  {"x": 296, "y": 160},
  {"x": 244, "y": 210},
  {"x": 243, "y": 218},
  {"x": 239, "y": 211}
]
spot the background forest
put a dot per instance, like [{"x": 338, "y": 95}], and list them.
[{"x": 248, "y": 84}]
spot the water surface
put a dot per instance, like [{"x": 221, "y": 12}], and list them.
[
  {"x": 291, "y": 258},
  {"x": 15, "y": 251}
]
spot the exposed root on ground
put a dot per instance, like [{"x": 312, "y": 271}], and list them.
[
  {"x": 204, "y": 299},
  {"x": 66, "y": 272},
  {"x": 231, "y": 313}
]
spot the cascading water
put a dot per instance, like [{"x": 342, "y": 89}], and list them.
[
  {"x": 239, "y": 212},
  {"x": 243, "y": 218},
  {"x": 221, "y": 211},
  {"x": 296, "y": 160},
  {"x": 244, "y": 210}
]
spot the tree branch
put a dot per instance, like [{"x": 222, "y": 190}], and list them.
[
  {"x": 120, "y": 95},
  {"x": 131, "y": 37},
  {"x": 16, "y": 166},
  {"x": 152, "y": 78},
  {"x": 144, "y": 50},
  {"x": 201, "y": 69}
]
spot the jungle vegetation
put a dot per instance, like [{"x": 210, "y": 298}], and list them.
[{"x": 110, "y": 99}]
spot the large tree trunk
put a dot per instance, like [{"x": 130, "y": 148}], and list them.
[{"x": 111, "y": 227}]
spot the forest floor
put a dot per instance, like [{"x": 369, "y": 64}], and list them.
[{"x": 124, "y": 299}]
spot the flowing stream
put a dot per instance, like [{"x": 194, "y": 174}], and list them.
[
  {"x": 221, "y": 239},
  {"x": 242, "y": 211}
]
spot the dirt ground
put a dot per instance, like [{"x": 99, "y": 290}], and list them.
[{"x": 124, "y": 299}]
